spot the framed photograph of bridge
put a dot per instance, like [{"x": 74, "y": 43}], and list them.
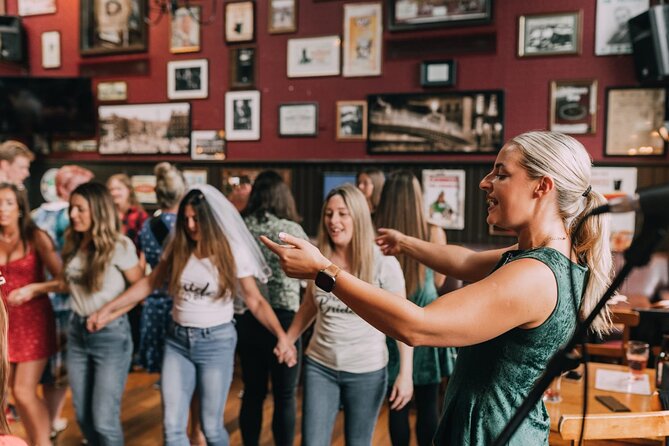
[{"x": 448, "y": 122}]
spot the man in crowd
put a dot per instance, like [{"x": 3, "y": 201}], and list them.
[{"x": 15, "y": 159}]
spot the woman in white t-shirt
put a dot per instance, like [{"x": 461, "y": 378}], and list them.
[
  {"x": 203, "y": 275},
  {"x": 98, "y": 262},
  {"x": 346, "y": 358}
]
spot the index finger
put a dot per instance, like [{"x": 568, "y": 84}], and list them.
[{"x": 274, "y": 247}]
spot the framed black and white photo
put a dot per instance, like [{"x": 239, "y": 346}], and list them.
[
  {"x": 146, "y": 129},
  {"x": 314, "y": 56},
  {"x": 185, "y": 29},
  {"x": 635, "y": 119},
  {"x": 239, "y": 22},
  {"x": 415, "y": 14},
  {"x": 351, "y": 120},
  {"x": 298, "y": 119},
  {"x": 282, "y": 16},
  {"x": 188, "y": 79},
  {"x": 242, "y": 115},
  {"x": 573, "y": 106},
  {"x": 550, "y": 34},
  {"x": 112, "y": 27},
  {"x": 51, "y": 49},
  {"x": 207, "y": 145},
  {"x": 112, "y": 91},
  {"x": 611, "y": 32},
  {"x": 242, "y": 67},
  {"x": 363, "y": 37},
  {"x": 437, "y": 73},
  {"x": 453, "y": 122}
]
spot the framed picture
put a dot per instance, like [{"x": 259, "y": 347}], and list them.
[
  {"x": 194, "y": 177},
  {"x": 51, "y": 49},
  {"x": 242, "y": 67},
  {"x": 550, "y": 34},
  {"x": 36, "y": 7},
  {"x": 185, "y": 29},
  {"x": 145, "y": 188},
  {"x": 298, "y": 119},
  {"x": 282, "y": 16},
  {"x": 463, "y": 121},
  {"x": 112, "y": 91},
  {"x": 239, "y": 22},
  {"x": 444, "y": 197},
  {"x": 112, "y": 27},
  {"x": 616, "y": 182},
  {"x": 188, "y": 79},
  {"x": 437, "y": 73},
  {"x": 314, "y": 56},
  {"x": 363, "y": 36},
  {"x": 414, "y": 14},
  {"x": 573, "y": 106},
  {"x": 144, "y": 128},
  {"x": 611, "y": 31},
  {"x": 351, "y": 120},
  {"x": 634, "y": 119},
  {"x": 207, "y": 145},
  {"x": 242, "y": 115}
]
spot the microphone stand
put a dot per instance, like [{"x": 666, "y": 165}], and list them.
[{"x": 638, "y": 254}]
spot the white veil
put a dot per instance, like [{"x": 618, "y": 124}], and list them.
[{"x": 234, "y": 228}]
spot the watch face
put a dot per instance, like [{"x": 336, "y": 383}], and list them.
[{"x": 324, "y": 281}]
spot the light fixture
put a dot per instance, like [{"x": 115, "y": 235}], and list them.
[{"x": 170, "y": 7}]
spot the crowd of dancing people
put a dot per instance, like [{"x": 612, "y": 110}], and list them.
[{"x": 96, "y": 287}]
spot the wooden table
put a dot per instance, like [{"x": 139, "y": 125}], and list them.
[{"x": 572, "y": 396}]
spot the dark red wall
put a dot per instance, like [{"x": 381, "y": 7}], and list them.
[{"x": 525, "y": 81}]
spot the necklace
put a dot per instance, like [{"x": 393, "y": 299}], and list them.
[{"x": 549, "y": 239}]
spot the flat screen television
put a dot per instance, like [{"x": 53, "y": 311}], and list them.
[{"x": 49, "y": 106}]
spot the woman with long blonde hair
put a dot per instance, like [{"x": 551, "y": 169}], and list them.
[
  {"x": 520, "y": 306},
  {"x": 98, "y": 262},
  {"x": 201, "y": 273}
]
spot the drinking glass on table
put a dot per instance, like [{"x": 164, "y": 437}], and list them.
[
  {"x": 637, "y": 358},
  {"x": 552, "y": 393}
]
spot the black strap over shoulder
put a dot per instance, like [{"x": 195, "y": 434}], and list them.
[{"x": 159, "y": 229}]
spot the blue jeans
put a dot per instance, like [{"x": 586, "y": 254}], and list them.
[
  {"x": 361, "y": 394},
  {"x": 202, "y": 357},
  {"x": 97, "y": 365}
]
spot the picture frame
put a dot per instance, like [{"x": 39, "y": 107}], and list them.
[
  {"x": 144, "y": 187},
  {"x": 242, "y": 67},
  {"x": 444, "y": 197},
  {"x": 208, "y": 145},
  {"x": 635, "y": 117},
  {"x": 363, "y": 40},
  {"x": 36, "y": 7},
  {"x": 314, "y": 56},
  {"x": 194, "y": 177},
  {"x": 573, "y": 106},
  {"x": 239, "y": 22},
  {"x": 112, "y": 91},
  {"x": 551, "y": 34},
  {"x": 445, "y": 122},
  {"x": 185, "y": 29},
  {"x": 351, "y": 121},
  {"x": 298, "y": 119},
  {"x": 50, "y": 49},
  {"x": 242, "y": 115},
  {"x": 115, "y": 30},
  {"x": 144, "y": 129},
  {"x": 188, "y": 79},
  {"x": 611, "y": 31},
  {"x": 406, "y": 15},
  {"x": 437, "y": 73},
  {"x": 282, "y": 16}
]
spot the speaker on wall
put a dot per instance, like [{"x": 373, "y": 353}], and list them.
[
  {"x": 650, "y": 43},
  {"x": 12, "y": 41}
]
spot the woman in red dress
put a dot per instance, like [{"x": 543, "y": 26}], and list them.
[{"x": 24, "y": 252}]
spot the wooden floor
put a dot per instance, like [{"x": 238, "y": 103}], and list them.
[{"x": 141, "y": 415}]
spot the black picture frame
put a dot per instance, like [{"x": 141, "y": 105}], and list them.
[
  {"x": 404, "y": 15},
  {"x": 436, "y": 123},
  {"x": 94, "y": 41},
  {"x": 438, "y": 73},
  {"x": 298, "y": 119},
  {"x": 242, "y": 68}
]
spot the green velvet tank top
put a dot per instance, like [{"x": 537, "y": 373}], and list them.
[{"x": 491, "y": 379}]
